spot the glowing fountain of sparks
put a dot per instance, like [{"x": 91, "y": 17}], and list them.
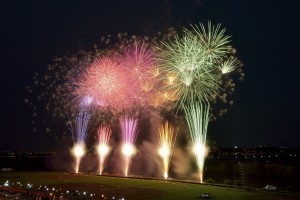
[
  {"x": 79, "y": 137},
  {"x": 104, "y": 133},
  {"x": 78, "y": 152},
  {"x": 197, "y": 116},
  {"x": 129, "y": 133},
  {"x": 167, "y": 136}
]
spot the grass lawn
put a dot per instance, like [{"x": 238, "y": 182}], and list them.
[{"x": 131, "y": 188}]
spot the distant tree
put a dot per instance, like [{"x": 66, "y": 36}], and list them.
[{"x": 228, "y": 182}]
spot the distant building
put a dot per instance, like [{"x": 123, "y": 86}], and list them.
[{"x": 6, "y": 169}]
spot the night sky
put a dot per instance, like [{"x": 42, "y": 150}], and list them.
[{"x": 265, "y": 34}]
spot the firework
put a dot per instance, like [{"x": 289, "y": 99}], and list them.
[
  {"x": 129, "y": 133},
  {"x": 197, "y": 116},
  {"x": 63, "y": 90},
  {"x": 192, "y": 66},
  {"x": 106, "y": 83},
  {"x": 86, "y": 101},
  {"x": 167, "y": 136},
  {"x": 78, "y": 152},
  {"x": 190, "y": 73},
  {"x": 229, "y": 65},
  {"x": 104, "y": 133},
  {"x": 79, "y": 134},
  {"x": 212, "y": 40},
  {"x": 192, "y": 69},
  {"x": 139, "y": 61}
]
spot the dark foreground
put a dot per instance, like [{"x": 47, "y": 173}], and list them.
[{"x": 73, "y": 186}]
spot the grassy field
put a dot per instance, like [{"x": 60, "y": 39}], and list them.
[{"x": 130, "y": 188}]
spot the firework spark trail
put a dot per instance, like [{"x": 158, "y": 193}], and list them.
[
  {"x": 138, "y": 58},
  {"x": 129, "y": 133},
  {"x": 104, "y": 133},
  {"x": 167, "y": 136},
  {"x": 79, "y": 136},
  {"x": 197, "y": 116},
  {"x": 229, "y": 65},
  {"x": 213, "y": 40}
]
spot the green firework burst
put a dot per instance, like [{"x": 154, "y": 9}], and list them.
[{"x": 193, "y": 62}]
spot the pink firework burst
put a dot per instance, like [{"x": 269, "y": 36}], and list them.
[
  {"x": 138, "y": 60},
  {"x": 107, "y": 84}
]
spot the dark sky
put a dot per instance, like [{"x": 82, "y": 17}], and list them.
[{"x": 265, "y": 34}]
